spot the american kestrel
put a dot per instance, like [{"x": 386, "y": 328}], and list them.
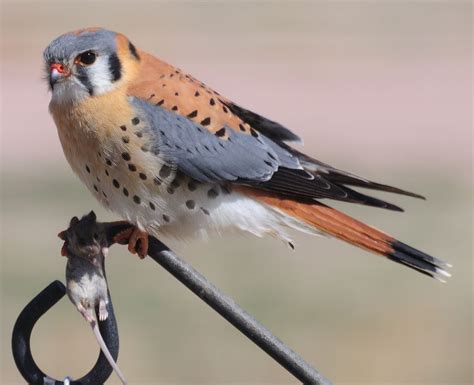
[{"x": 175, "y": 158}]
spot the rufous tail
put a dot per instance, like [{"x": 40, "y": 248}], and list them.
[{"x": 337, "y": 224}]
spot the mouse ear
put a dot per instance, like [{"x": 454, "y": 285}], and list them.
[
  {"x": 74, "y": 221},
  {"x": 92, "y": 215}
]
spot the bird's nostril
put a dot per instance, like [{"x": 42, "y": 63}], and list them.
[{"x": 57, "y": 66}]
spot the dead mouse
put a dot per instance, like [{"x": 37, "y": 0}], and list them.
[{"x": 86, "y": 285}]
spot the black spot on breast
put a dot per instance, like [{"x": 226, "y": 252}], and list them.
[
  {"x": 174, "y": 108},
  {"x": 125, "y": 139},
  {"x": 220, "y": 132},
  {"x": 157, "y": 181},
  {"x": 242, "y": 128},
  {"x": 271, "y": 155},
  {"x": 142, "y": 176},
  {"x": 205, "y": 211},
  {"x": 136, "y": 199},
  {"x": 116, "y": 183},
  {"x": 115, "y": 67},
  {"x": 190, "y": 204},
  {"x": 165, "y": 171},
  {"x": 160, "y": 102},
  {"x": 224, "y": 108},
  {"x": 139, "y": 134},
  {"x": 268, "y": 163},
  {"x": 108, "y": 162},
  {"x": 125, "y": 192},
  {"x": 133, "y": 50},
  {"x": 95, "y": 188},
  {"x": 212, "y": 102},
  {"x": 126, "y": 156},
  {"x": 152, "y": 206},
  {"x": 135, "y": 121},
  {"x": 192, "y": 185},
  {"x": 88, "y": 169},
  {"x": 192, "y": 114},
  {"x": 132, "y": 167},
  {"x": 175, "y": 183},
  {"x": 98, "y": 179},
  {"x": 166, "y": 218},
  {"x": 176, "y": 94},
  {"x": 206, "y": 121},
  {"x": 123, "y": 128},
  {"x": 104, "y": 194},
  {"x": 196, "y": 93},
  {"x": 212, "y": 193},
  {"x": 107, "y": 172}
]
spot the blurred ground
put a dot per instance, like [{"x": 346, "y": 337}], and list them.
[{"x": 381, "y": 89}]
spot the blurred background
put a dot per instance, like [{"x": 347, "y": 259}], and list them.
[{"x": 382, "y": 89}]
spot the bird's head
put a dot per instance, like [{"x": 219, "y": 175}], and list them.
[{"x": 87, "y": 63}]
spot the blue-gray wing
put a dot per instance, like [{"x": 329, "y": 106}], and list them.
[
  {"x": 207, "y": 157},
  {"x": 254, "y": 160}
]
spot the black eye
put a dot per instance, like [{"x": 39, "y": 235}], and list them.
[{"x": 86, "y": 58}]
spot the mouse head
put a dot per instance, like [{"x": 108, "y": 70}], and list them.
[{"x": 85, "y": 238}]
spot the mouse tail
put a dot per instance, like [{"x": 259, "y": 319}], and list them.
[{"x": 105, "y": 350}]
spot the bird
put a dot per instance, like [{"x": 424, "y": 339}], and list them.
[{"x": 175, "y": 158}]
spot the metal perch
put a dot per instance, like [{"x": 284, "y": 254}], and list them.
[{"x": 192, "y": 279}]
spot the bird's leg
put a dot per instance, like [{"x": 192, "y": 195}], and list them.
[{"x": 137, "y": 240}]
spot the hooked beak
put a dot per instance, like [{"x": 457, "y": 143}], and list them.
[{"x": 57, "y": 71}]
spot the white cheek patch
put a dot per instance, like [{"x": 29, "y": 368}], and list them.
[{"x": 100, "y": 76}]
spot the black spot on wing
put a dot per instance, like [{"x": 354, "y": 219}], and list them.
[{"x": 115, "y": 67}]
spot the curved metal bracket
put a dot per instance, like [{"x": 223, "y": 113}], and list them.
[{"x": 23, "y": 328}]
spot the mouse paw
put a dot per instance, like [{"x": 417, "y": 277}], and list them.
[
  {"x": 62, "y": 235},
  {"x": 103, "y": 313},
  {"x": 137, "y": 241}
]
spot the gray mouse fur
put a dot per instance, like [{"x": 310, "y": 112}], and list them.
[{"x": 86, "y": 285}]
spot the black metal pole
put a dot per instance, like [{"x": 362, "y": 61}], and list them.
[{"x": 233, "y": 313}]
